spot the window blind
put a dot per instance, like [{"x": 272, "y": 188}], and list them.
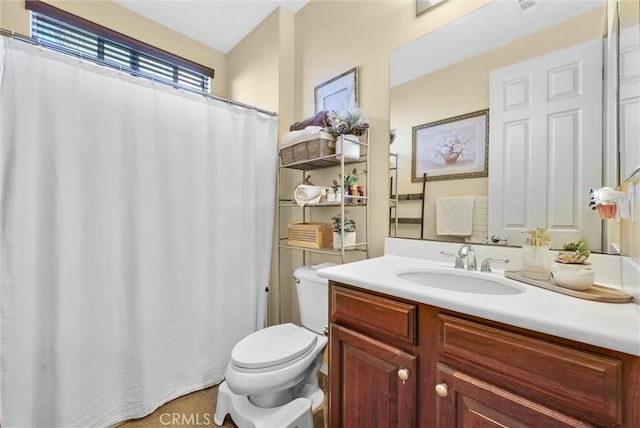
[{"x": 58, "y": 35}]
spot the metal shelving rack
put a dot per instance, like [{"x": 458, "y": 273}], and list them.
[
  {"x": 395, "y": 198},
  {"x": 330, "y": 161}
]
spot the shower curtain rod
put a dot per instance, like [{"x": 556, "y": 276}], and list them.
[{"x": 13, "y": 35}]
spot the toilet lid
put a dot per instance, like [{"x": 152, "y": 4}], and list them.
[{"x": 273, "y": 346}]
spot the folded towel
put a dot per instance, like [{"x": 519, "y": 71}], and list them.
[
  {"x": 306, "y": 194},
  {"x": 320, "y": 119},
  {"x": 454, "y": 215},
  {"x": 308, "y": 134}
]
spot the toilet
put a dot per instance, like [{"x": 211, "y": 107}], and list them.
[{"x": 271, "y": 379}]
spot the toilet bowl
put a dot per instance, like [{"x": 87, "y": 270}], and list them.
[{"x": 272, "y": 374}]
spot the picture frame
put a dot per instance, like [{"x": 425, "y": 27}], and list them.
[
  {"x": 424, "y": 5},
  {"x": 453, "y": 148},
  {"x": 339, "y": 93}
]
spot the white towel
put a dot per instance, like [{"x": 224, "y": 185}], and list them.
[
  {"x": 480, "y": 222},
  {"x": 454, "y": 215}
]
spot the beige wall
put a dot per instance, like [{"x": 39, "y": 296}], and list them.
[
  {"x": 261, "y": 70},
  {"x": 464, "y": 88},
  {"x": 15, "y": 17},
  {"x": 630, "y": 232}
]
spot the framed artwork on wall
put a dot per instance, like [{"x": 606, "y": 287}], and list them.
[
  {"x": 339, "y": 94},
  {"x": 424, "y": 5},
  {"x": 453, "y": 148}
]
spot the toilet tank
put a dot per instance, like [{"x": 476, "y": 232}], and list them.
[{"x": 313, "y": 298}]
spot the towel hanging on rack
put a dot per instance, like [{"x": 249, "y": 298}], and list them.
[{"x": 454, "y": 215}]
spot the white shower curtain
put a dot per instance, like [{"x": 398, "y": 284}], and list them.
[{"x": 135, "y": 235}]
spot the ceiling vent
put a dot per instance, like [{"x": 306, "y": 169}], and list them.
[{"x": 526, "y": 5}]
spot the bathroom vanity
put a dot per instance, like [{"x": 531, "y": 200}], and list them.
[{"x": 403, "y": 354}]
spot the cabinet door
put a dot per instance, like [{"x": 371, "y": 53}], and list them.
[
  {"x": 465, "y": 401},
  {"x": 367, "y": 389}
]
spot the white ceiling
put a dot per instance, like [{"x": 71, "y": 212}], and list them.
[{"x": 220, "y": 24}]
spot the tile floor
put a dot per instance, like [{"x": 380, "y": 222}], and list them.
[{"x": 197, "y": 409}]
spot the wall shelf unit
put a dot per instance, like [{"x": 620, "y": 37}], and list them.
[
  {"x": 288, "y": 211},
  {"x": 286, "y": 202}
]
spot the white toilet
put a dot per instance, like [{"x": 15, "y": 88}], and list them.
[{"x": 271, "y": 380}]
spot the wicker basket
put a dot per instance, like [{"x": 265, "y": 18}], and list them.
[
  {"x": 307, "y": 150},
  {"x": 311, "y": 235}
]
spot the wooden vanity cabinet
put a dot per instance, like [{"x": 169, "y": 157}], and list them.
[
  {"x": 373, "y": 373},
  {"x": 397, "y": 363}
]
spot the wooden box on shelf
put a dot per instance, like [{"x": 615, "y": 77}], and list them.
[{"x": 311, "y": 235}]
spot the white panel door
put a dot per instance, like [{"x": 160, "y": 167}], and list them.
[{"x": 545, "y": 145}]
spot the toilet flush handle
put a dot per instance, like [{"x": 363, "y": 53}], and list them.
[{"x": 297, "y": 280}]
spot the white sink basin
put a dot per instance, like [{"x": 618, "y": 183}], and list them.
[{"x": 461, "y": 281}]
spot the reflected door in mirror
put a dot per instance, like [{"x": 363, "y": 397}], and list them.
[{"x": 545, "y": 145}]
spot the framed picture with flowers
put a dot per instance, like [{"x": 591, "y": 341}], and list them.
[
  {"x": 339, "y": 94},
  {"x": 453, "y": 148}
]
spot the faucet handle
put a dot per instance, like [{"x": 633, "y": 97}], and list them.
[
  {"x": 486, "y": 264},
  {"x": 459, "y": 263}
]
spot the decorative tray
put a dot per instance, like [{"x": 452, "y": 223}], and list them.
[{"x": 596, "y": 292}]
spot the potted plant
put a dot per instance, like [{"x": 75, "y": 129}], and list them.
[
  {"x": 570, "y": 269},
  {"x": 574, "y": 253},
  {"x": 350, "y": 179},
  {"x": 346, "y": 128},
  {"x": 343, "y": 228}
]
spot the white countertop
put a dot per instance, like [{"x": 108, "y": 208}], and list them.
[{"x": 614, "y": 326}]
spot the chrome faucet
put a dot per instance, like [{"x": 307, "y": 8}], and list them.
[
  {"x": 466, "y": 252},
  {"x": 459, "y": 263},
  {"x": 486, "y": 264}
]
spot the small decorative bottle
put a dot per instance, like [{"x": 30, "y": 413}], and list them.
[
  {"x": 323, "y": 197},
  {"x": 354, "y": 194},
  {"x": 331, "y": 196},
  {"x": 338, "y": 194}
]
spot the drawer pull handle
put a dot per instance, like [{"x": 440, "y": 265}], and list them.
[
  {"x": 442, "y": 389},
  {"x": 403, "y": 374}
]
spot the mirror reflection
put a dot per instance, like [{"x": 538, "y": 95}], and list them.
[{"x": 538, "y": 71}]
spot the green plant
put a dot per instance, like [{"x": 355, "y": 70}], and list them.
[
  {"x": 349, "y": 122},
  {"x": 574, "y": 252},
  {"x": 349, "y": 179},
  {"x": 349, "y": 224}
]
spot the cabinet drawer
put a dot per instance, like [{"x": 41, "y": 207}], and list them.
[
  {"x": 587, "y": 383},
  {"x": 380, "y": 317}
]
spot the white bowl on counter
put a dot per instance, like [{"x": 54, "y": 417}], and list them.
[{"x": 574, "y": 276}]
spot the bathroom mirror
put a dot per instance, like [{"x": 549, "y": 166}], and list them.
[{"x": 447, "y": 73}]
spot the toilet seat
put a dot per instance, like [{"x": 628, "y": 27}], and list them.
[{"x": 273, "y": 347}]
